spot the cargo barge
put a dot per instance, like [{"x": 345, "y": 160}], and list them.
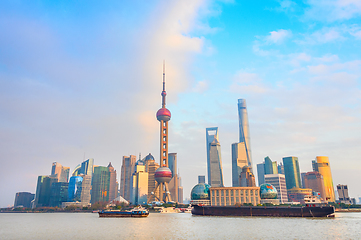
[
  {"x": 265, "y": 211},
  {"x": 135, "y": 212}
]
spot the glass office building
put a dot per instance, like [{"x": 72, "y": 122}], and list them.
[
  {"x": 214, "y": 161},
  {"x": 292, "y": 172}
]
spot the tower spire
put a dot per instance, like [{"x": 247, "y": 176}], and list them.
[{"x": 163, "y": 92}]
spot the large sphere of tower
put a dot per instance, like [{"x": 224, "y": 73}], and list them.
[
  {"x": 163, "y": 114},
  {"x": 163, "y": 175}
]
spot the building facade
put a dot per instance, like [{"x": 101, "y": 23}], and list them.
[
  {"x": 100, "y": 184},
  {"x": 140, "y": 185},
  {"x": 314, "y": 180},
  {"x": 174, "y": 182},
  {"x": 260, "y": 173},
  {"x": 113, "y": 184},
  {"x": 230, "y": 196},
  {"x": 59, "y": 193},
  {"x": 150, "y": 167},
  {"x": 43, "y": 190},
  {"x": 342, "y": 192},
  {"x": 239, "y": 160},
  {"x": 279, "y": 182},
  {"x": 214, "y": 161},
  {"x": 246, "y": 178},
  {"x": 60, "y": 172},
  {"x": 322, "y": 165},
  {"x": 23, "y": 199},
  {"x": 244, "y": 136},
  {"x": 201, "y": 179},
  {"x": 299, "y": 194},
  {"x": 128, "y": 168},
  {"x": 292, "y": 172}
]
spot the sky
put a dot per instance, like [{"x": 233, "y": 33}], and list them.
[{"x": 82, "y": 79}]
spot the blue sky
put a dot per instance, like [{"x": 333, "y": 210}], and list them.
[{"x": 84, "y": 79}]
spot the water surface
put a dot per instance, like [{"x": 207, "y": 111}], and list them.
[{"x": 175, "y": 226}]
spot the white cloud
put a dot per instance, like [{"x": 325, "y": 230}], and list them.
[
  {"x": 333, "y": 10},
  {"x": 201, "y": 87},
  {"x": 279, "y": 36}
]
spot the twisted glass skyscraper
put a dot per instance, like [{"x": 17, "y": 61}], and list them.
[{"x": 244, "y": 130}]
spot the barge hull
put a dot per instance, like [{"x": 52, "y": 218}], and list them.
[{"x": 269, "y": 211}]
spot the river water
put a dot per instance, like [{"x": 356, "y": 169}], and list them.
[{"x": 175, "y": 226}]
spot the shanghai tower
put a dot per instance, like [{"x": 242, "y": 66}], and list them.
[{"x": 244, "y": 130}]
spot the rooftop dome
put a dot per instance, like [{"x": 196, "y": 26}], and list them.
[
  {"x": 268, "y": 191},
  {"x": 200, "y": 192},
  {"x": 149, "y": 157}
]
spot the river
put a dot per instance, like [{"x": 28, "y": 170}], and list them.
[{"x": 175, "y": 226}]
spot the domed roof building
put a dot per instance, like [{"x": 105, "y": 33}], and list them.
[{"x": 200, "y": 194}]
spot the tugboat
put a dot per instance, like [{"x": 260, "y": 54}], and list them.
[{"x": 135, "y": 212}]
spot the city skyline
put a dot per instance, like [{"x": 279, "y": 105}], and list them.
[{"x": 80, "y": 81}]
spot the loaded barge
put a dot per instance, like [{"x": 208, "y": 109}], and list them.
[
  {"x": 135, "y": 212},
  {"x": 267, "y": 211}
]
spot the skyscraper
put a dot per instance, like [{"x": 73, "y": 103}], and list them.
[
  {"x": 100, "y": 184},
  {"x": 128, "y": 168},
  {"x": 260, "y": 173},
  {"x": 314, "y": 180},
  {"x": 23, "y": 199},
  {"x": 342, "y": 192},
  {"x": 58, "y": 194},
  {"x": 60, "y": 172},
  {"x": 150, "y": 167},
  {"x": 43, "y": 190},
  {"x": 292, "y": 172},
  {"x": 244, "y": 136},
  {"x": 113, "y": 184},
  {"x": 174, "y": 182},
  {"x": 322, "y": 165},
  {"x": 214, "y": 161},
  {"x": 239, "y": 160},
  {"x": 246, "y": 179},
  {"x": 140, "y": 185},
  {"x": 279, "y": 182}
]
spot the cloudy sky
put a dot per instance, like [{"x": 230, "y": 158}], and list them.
[{"x": 82, "y": 79}]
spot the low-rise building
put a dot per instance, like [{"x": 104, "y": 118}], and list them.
[{"x": 230, "y": 196}]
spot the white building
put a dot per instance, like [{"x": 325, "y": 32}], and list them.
[{"x": 279, "y": 182}]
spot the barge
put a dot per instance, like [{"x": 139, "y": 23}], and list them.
[
  {"x": 135, "y": 212},
  {"x": 266, "y": 211}
]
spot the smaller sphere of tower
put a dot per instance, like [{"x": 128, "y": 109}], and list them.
[
  {"x": 163, "y": 114},
  {"x": 163, "y": 175}
]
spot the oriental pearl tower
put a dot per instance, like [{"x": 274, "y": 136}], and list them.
[{"x": 163, "y": 175}]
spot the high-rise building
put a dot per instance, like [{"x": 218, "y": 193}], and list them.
[
  {"x": 43, "y": 190},
  {"x": 239, "y": 160},
  {"x": 128, "y": 168},
  {"x": 151, "y": 167},
  {"x": 260, "y": 173},
  {"x": 244, "y": 136},
  {"x": 86, "y": 187},
  {"x": 322, "y": 165},
  {"x": 174, "y": 182},
  {"x": 342, "y": 192},
  {"x": 75, "y": 189},
  {"x": 303, "y": 174},
  {"x": 180, "y": 194},
  {"x": 246, "y": 178},
  {"x": 201, "y": 179},
  {"x": 140, "y": 185},
  {"x": 280, "y": 169},
  {"x": 59, "y": 193},
  {"x": 85, "y": 168},
  {"x": 314, "y": 180},
  {"x": 60, "y": 172},
  {"x": 279, "y": 182},
  {"x": 23, "y": 199},
  {"x": 100, "y": 184},
  {"x": 214, "y": 161},
  {"x": 113, "y": 184},
  {"x": 292, "y": 172},
  {"x": 267, "y": 167}
]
